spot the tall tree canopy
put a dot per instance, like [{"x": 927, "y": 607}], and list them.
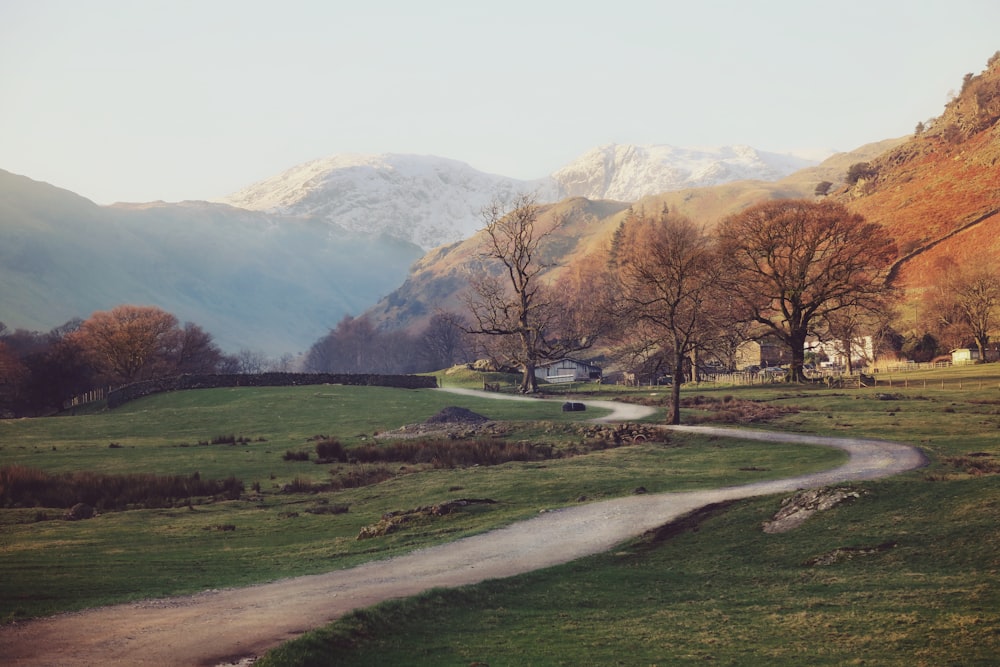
[
  {"x": 793, "y": 263},
  {"x": 665, "y": 273},
  {"x": 130, "y": 343}
]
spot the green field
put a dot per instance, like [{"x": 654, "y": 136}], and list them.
[
  {"x": 916, "y": 582},
  {"x": 48, "y": 564}
]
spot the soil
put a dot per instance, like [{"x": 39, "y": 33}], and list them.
[{"x": 229, "y": 627}]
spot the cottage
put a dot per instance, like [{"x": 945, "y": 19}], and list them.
[
  {"x": 761, "y": 353},
  {"x": 567, "y": 370}
]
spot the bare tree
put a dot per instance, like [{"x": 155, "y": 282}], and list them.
[
  {"x": 964, "y": 306},
  {"x": 667, "y": 274},
  {"x": 793, "y": 263},
  {"x": 511, "y": 305},
  {"x": 442, "y": 343}
]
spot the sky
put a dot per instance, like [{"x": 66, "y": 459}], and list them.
[{"x": 126, "y": 100}]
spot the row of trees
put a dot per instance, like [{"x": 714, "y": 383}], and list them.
[
  {"x": 668, "y": 288},
  {"x": 40, "y": 371}
]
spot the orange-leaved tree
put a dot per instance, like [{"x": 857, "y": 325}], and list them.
[
  {"x": 130, "y": 343},
  {"x": 793, "y": 264},
  {"x": 665, "y": 273}
]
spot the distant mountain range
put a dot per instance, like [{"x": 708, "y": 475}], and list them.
[
  {"x": 937, "y": 193},
  {"x": 433, "y": 201},
  {"x": 289, "y": 257},
  {"x": 253, "y": 280}
]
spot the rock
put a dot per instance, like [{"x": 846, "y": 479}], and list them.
[{"x": 797, "y": 508}]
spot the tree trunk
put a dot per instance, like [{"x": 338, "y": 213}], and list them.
[
  {"x": 529, "y": 383},
  {"x": 982, "y": 343},
  {"x": 675, "y": 390},
  {"x": 797, "y": 344}
]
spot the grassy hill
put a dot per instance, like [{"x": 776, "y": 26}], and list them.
[{"x": 251, "y": 280}]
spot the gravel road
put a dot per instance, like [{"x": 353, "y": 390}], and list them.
[{"x": 222, "y": 627}]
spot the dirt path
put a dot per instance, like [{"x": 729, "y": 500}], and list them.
[{"x": 222, "y": 627}]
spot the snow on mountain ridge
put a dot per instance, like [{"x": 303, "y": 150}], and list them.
[
  {"x": 432, "y": 201},
  {"x": 627, "y": 172},
  {"x": 423, "y": 199}
]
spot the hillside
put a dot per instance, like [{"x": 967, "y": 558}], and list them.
[
  {"x": 433, "y": 201},
  {"x": 439, "y": 279},
  {"x": 252, "y": 280},
  {"x": 939, "y": 192}
]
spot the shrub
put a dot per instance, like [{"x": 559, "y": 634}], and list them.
[
  {"x": 30, "y": 487},
  {"x": 858, "y": 171},
  {"x": 289, "y": 455},
  {"x": 330, "y": 450}
]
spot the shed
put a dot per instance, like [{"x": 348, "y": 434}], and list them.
[
  {"x": 964, "y": 355},
  {"x": 567, "y": 370}
]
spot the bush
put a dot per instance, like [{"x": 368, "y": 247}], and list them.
[
  {"x": 30, "y": 487},
  {"x": 330, "y": 450},
  {"x": 295, "y": 456},
  {"x": 858, "y": 171}
]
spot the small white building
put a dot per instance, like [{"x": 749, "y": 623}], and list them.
[
  {"x": 568, "y": 370},
  {"x": 964, "y": 355}
]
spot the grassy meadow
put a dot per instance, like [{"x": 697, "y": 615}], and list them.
[
  {"x": 905, "y": 575},
  {"x": 289, "y": 520}
]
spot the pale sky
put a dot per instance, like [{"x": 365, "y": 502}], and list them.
[{"x": 140, "y": 100}]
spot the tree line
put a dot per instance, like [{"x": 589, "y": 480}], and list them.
[
  {"x": 664, "y": 293},
  {"x": 40, "y": 371},
  {"x": 666, "y": 290}
]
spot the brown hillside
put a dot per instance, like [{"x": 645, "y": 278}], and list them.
[
  {"x": 438, "y": 280},
  {"x": 938, "y": 194}
]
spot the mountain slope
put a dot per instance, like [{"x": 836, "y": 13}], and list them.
[
  {"x": 939, "y": 192},
  {"x": 434, "y": 201},
  {"x": 628, "y": 172},
  {"x": 250, "y": 279},
  {"x": 422, "y": 199},
  {"x": 439, "y": 279}
]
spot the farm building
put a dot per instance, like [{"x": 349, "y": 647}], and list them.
[
  {"x": 567, "y": 370},
  {"x": 762, "y": 353},
  {"x": 964, "y": 355}
]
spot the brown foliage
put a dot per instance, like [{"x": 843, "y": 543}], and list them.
[{"x": 794, "y": 263}]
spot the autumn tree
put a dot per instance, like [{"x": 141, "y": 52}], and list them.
[
  {"x": 130, "y": 343},
  {"x": 529, "y": 322},
  {"x": 666, "y": 275},
  {"x": 792, "y": 264},
  {"x": 964, "y": 306}
]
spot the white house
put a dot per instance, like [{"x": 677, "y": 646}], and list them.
[
  {"x": 964, "y": 355},
  {"x": 567, "y": 370}
]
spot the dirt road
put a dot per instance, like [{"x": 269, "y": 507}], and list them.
[{"x": 223, "y": 627}]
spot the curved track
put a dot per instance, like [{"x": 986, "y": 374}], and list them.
[{"x": 222, "y": 627}]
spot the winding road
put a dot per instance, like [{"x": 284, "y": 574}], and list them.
[{"x": 222, "y": 627}]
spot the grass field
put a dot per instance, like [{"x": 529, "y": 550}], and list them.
[
  {"x": 48, "y": 564},
  {"x": 912, "y": 579}
]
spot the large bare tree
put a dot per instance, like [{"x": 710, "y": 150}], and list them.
[
  {"x": 794, "y": 263},
  {"x": 666, "y": 273},
  {"x": 529, "y": 322},
  {"x": 964, "y": 305}
]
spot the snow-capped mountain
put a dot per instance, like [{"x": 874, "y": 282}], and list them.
[
  {"x": 433, "y": 201},
  {"x": 625, "y": 172},
  {"x": 426, "y": 200}
]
